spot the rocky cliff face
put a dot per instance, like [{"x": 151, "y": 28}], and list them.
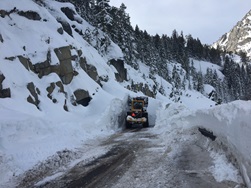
[
  {"x": 239, "y": 38},
  {"x": 55, "y": 56},
  {"x": 43, "y": 52}
]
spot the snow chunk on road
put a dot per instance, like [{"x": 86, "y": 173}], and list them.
[{"x": 223, "y": 170}]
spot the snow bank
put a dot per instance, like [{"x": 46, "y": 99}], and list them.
[
  {"x": 27, "y": 139},
  {"x": 230, "y": 123}
]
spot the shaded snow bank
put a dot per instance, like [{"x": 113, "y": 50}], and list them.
[
  {"x": 230, "y": 123},
  {"x": 26, "y": 140}
]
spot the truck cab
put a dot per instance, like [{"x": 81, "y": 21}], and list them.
[{"x": 137, "y": 112}]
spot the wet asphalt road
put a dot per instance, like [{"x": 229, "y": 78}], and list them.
[{"x": 138, "y": 158}]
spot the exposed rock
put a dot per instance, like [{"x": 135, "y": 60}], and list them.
[
  {"x": 31, "y": 15},
  {"x": 26, "y": 63},
  {"x": 60, "y": 31},
  {"x": 143, "y": 88},
  {"x": 34, "y": 93},
  {"x": 10, "y": 58},
  {"x": 245, "y": 41},
  {"x": 1, "y": 38},
  {"x": 122, "y": 72},
  {"x": 79, "y": 53},
  {"x": 66, "y": 26},
  {"x": 50, "y": 89},
  {"x": 65, "y": 106},
  {"x": 89, "y": 69},
  {"x": 238, "y": 39},
  {"x": 80, "y": 32},
  {"x": 63, "y": 53},
  {"x": 82, "y": 97},
  {"x": 65, "y": 69},
  {"x": 81, "y": 94},
  {"x": 38, "y": 91},
  {"x": 44, "y": 68},
  {"x": 5, "y": 93},
  {"x": 104, "y": 78},
  {"x": 73, "y": 101},
  {"x": 30, "y": 100},
  {"x": 75, "y": 73},
  {"x": 4, "y": 13},
  {"x": 2, "y": 77},
  {"x": 68, "y": 12},
  {"x": 61, "y": 86},
  {"x": 148, "y": 92}
]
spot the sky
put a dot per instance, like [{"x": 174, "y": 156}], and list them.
[{"x": 207, "y": 20}]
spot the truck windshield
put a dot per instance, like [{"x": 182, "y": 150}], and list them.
[{"x": 137, "y": 105}]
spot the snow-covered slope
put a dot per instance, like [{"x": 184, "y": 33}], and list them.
[{"x": 239, "y": 38}]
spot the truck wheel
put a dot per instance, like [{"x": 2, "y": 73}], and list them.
[
  {"x": 128, "y": 125},
  {"x": 146, "y": 124}
]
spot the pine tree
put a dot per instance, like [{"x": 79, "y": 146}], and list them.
[
  {"x": 243, "y": 56},
  {"x": 176, "y": 78}
]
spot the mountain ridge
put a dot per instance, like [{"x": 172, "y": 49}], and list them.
[{"x": 238, "y": 38}]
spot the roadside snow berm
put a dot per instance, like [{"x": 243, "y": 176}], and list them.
[{"x": 137, "y": 112}]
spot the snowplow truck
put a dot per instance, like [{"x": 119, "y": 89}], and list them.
[{"x": 137, "y": 112}]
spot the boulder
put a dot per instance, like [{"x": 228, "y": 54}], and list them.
[
  {"x": 82, "y": 97},
  {"x": 66, "y": 26},
  {"x": 122, "y": 72},
  {"x": 31, "y": 15},
  {"x": 60, "y": 31},
  {"x": 68, "y": 12},
  {"x": 5, "y": 93}
]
